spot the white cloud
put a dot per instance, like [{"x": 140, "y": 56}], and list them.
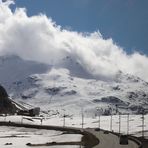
[{"x": 38, "y": 38}]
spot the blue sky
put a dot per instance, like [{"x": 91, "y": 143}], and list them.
[
  {"x": 37, "y": 38},
  {"x": 125, "y": 21}
]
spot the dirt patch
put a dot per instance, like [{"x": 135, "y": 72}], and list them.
[
  {"x": 54, "y": 143},
  {"x": 14, "y": 136}
]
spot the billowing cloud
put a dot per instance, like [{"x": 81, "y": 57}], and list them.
[{"x": 40, "y": 39}]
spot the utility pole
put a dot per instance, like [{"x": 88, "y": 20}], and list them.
[
  {"x": 119, "y": 123},
  {"x": 82, "y": 117},
  {"x": 142, "y": 123},
  {"x": 64, "y": 120},
  {"x": 116, "y": 108},
  {"x": 111, "y": 123},
  {"x": 64, "y": 116},
  {"x": 127, "y": 123},
  {"x": 99, "y": 121},
  {"x": 41, "y": 121}
]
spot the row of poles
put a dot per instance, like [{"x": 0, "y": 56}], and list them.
[
  {"x": 99, "y": 122},
  {"x": 111, "y": 122},
  {"x": 128, "y": 123}
]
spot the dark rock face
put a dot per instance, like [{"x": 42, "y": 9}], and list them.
[
  {"x": 111, "y": 99},
  {"x": 6, "y": 105},
  {"x": 3, "y": 93}
]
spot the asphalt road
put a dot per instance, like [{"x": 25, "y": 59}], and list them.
[
  {"x": 106, "y": 140},
  {"x": 110, "y": 140}
]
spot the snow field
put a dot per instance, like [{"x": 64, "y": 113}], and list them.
[
  {"x": 19, "y": 137},
  {"x": 134, "y": 128}
]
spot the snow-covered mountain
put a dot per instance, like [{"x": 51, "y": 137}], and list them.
[{"x": 68, "y": 87}]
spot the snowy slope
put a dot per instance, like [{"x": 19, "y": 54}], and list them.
[
  {"x": 14, "y": 71},
  {"x": 68, "y": 86}
]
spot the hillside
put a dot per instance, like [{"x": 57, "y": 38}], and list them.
[{"x": 68, "y": 86}]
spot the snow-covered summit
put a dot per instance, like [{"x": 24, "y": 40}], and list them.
[{"x": 68, "y": 86}]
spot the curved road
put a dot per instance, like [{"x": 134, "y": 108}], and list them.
[
  {"x": 106, "y": 140},
  {"x": 110, "y": 140}
]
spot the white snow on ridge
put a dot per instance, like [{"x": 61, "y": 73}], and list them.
[
  {"x": 58, "y": 89},
  {"x": 70, "y": 88},
  {"x": 14, "y": 70}
]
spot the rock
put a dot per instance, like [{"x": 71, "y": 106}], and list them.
[
  {"x": 8, "y": 143},
  {"x": 6, "y": 106}
]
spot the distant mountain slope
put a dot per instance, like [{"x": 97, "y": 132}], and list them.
[
  {"x": 68, "y": 86},
  {"x": 13, "y": 69}
]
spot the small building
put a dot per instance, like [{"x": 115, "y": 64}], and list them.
[
  {"x": 35, "y": 111},
  {"x": 30, "y": 112},
  {"x": 8, "y": 106}
]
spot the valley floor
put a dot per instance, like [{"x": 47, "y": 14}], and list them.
[
  {"x": 19, "y": 136},
  {"x": 135, "y": 122},
  {"x": 16, "y": 137}
]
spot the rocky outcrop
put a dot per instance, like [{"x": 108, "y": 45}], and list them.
[{"x": 6, "y": 106}]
